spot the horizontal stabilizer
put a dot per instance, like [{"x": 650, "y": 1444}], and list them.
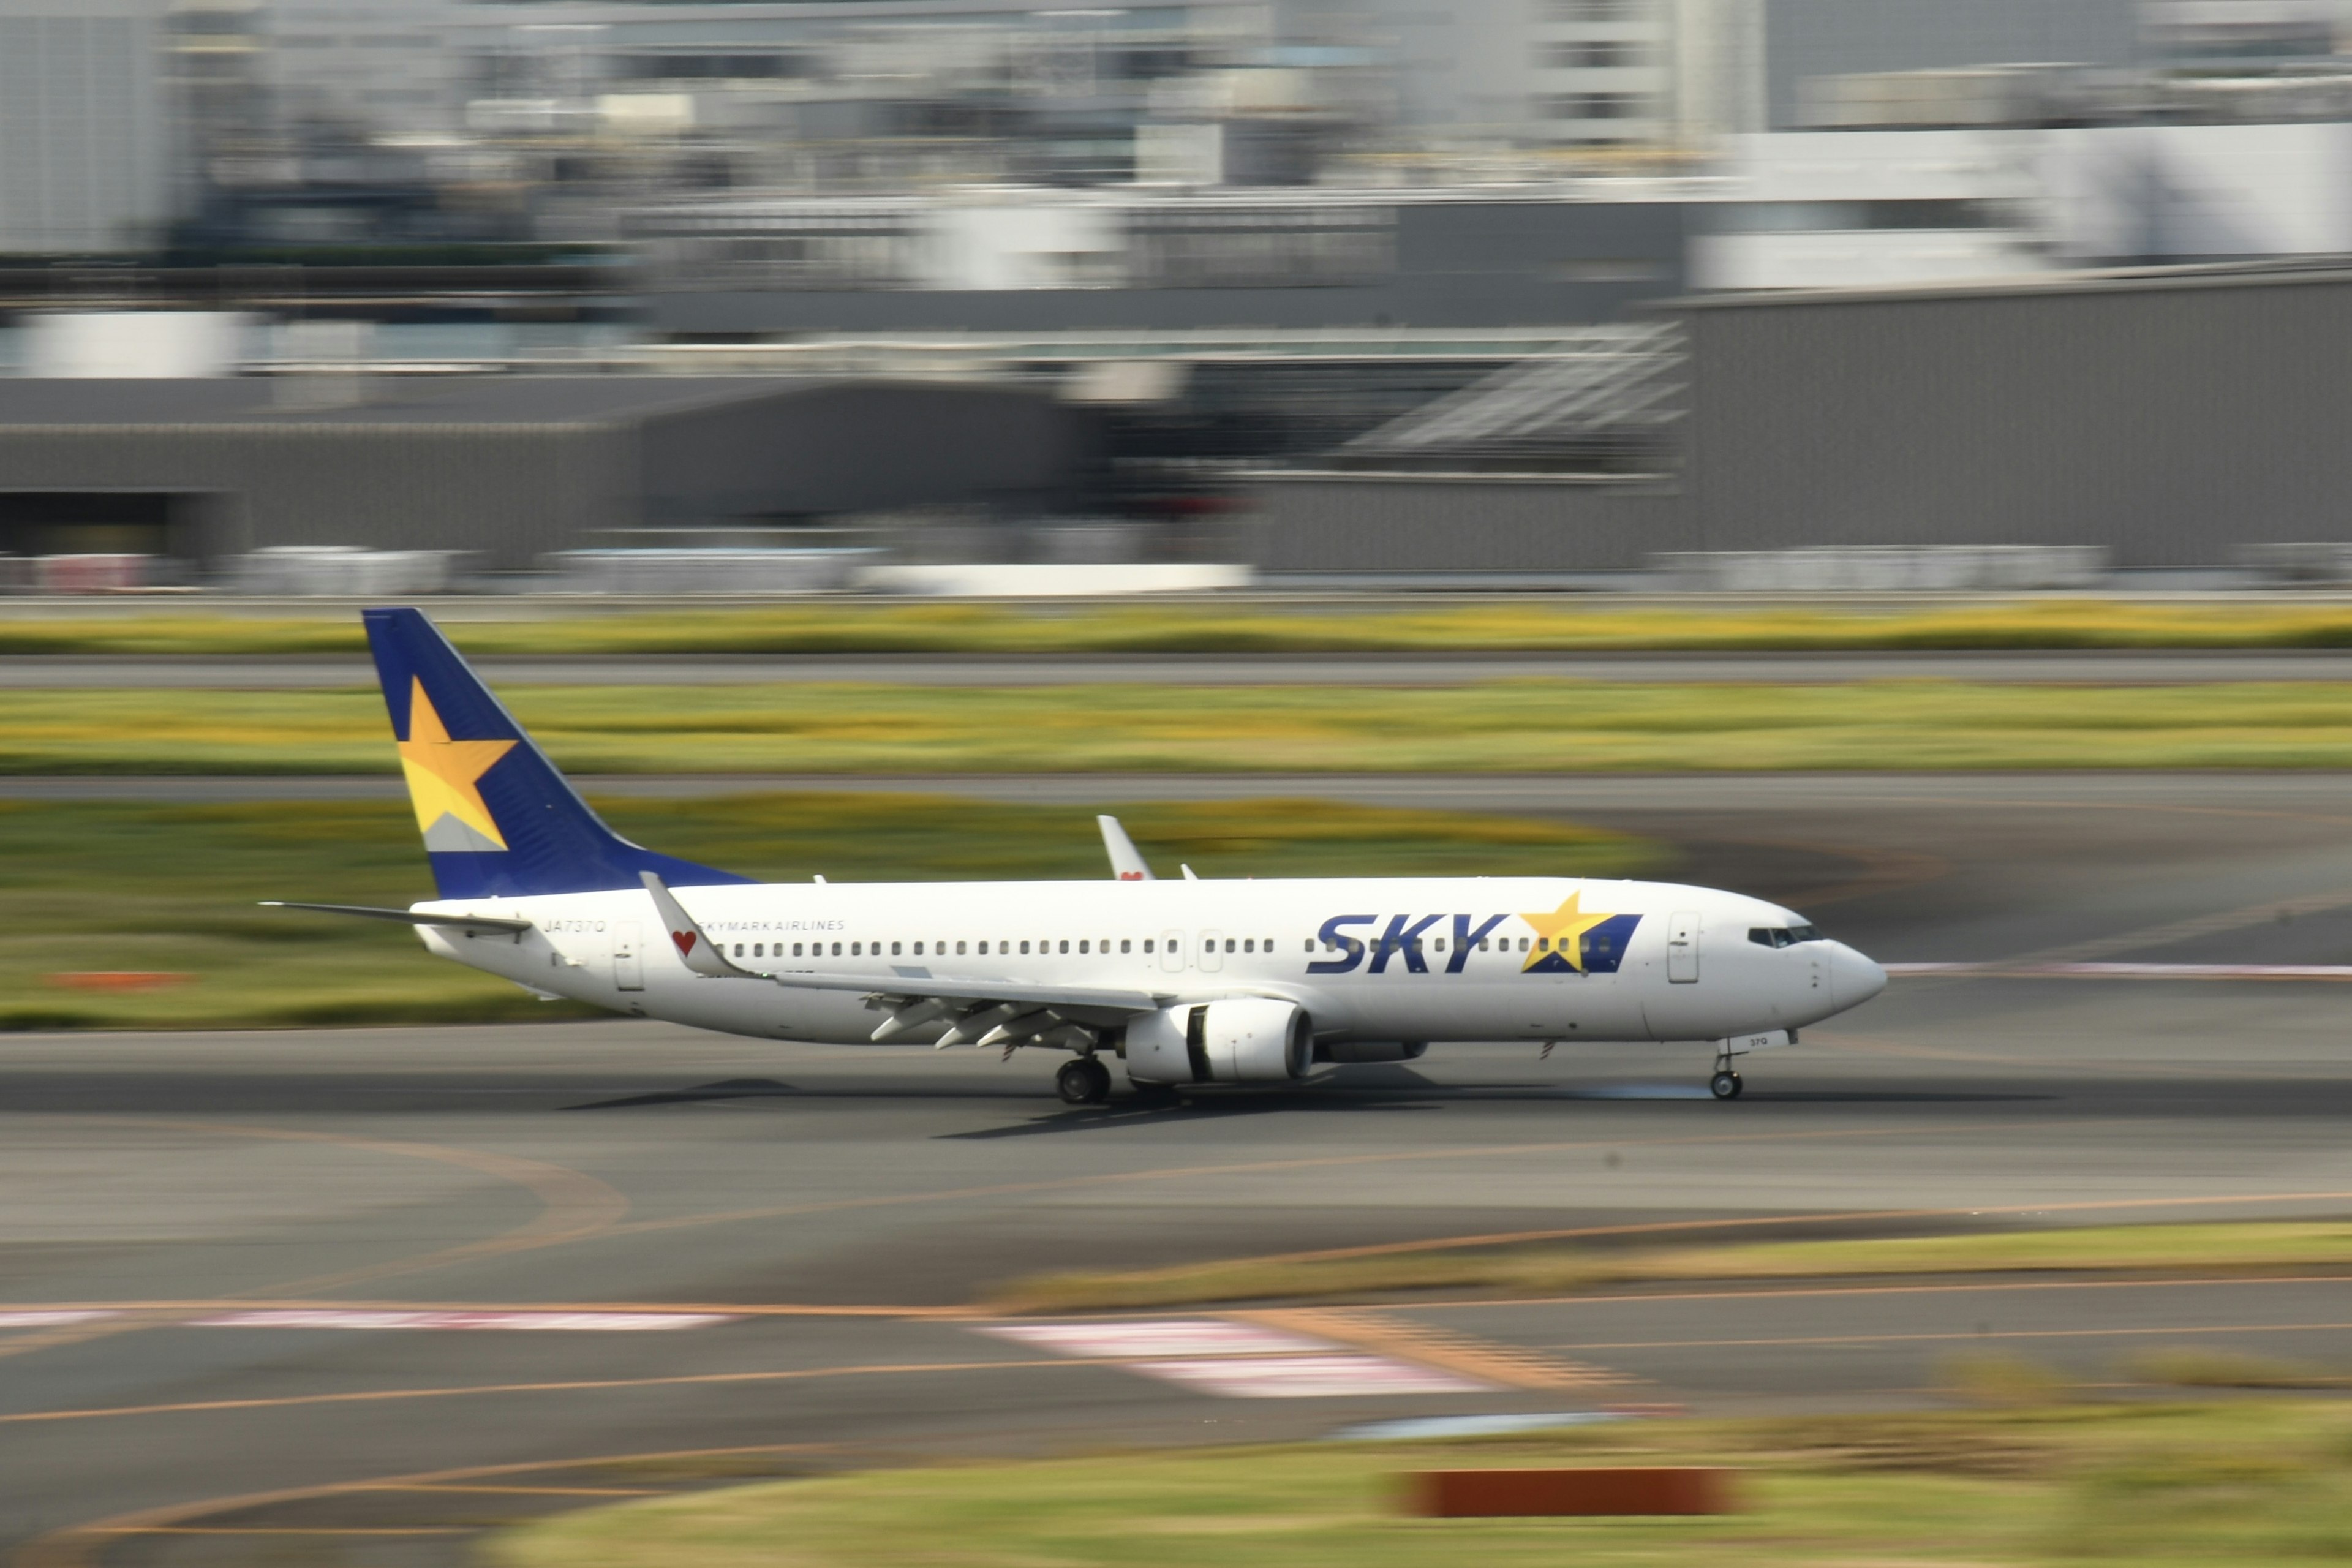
[{"x": 407, "y": 917}]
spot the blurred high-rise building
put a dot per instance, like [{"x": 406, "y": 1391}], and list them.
[{"x": 85, "y": 125}]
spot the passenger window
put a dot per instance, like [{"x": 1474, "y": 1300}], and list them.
[
  {"x": 1127, "y": 944},
  {"x": 1311, "y": 944},
  {"x": 959, "y": 949},
  {"x": 918, "y": 950},
  {"x": 1066, "y": 946},
  {"x": 856, "y": 950},
  {"x": 1228, "y": 944},
  {"x": 757, "y": 951},
  {"x": 837, "y": 950},
  {"x": 1249, "y": 944},
  {"x": 1523, "y": 944},
  {"x": 983, "y": 950},
  {"x": 1024, "y": 947},
  {"x": 1482, "y": 943},
  {"x": 739, "y": 950},
  {"x": 1147, "y": 944},
  {"x": 1082, "y": 944}
]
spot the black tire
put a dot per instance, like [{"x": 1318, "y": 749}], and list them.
[
  {"x": 1084, "y": 1081},
  {"x": 1726, "y": 1086}
]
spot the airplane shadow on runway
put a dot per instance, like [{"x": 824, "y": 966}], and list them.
[{"x": 725, "y": 1088}]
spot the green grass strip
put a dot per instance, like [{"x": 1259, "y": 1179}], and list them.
[
  {"x": 2238, "y": 1482},
  {"x": 170, "y": 891},
  {"x": 1542, "y": 1270},
  {"x": 1529, "y": 726},
  {"x": 1209, "y": 627}
]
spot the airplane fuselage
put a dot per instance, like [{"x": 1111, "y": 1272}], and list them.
[{"x": 1367, "y": 960}]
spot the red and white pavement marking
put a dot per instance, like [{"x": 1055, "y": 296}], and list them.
[
  {"x": 323, "y": 1317},
  {"x": 1236, "y": 1361},
  {"x": 1346, "y": 1374},
  {"x": 1142, "y": 1337}
]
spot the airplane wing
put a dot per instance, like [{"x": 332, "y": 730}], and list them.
[
  {"x": 1126, "y": 860},
  {"x": 968, "y": 1011}
]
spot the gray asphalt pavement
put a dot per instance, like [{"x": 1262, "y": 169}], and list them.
[
  {"x": 65, "y": 672},
  {"x": 841, "y": 1209}
]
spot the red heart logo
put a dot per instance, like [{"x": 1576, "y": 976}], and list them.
[{"x": 684, "y": 940}]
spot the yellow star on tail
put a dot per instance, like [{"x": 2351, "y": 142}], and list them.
[
  {"x": 1563, "y": 927},
  {"x": 444, "y": 776}
]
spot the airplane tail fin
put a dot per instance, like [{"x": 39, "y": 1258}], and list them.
[
  {"x": 1126, "y": 862},
  {"x": 498, "y": 820}
]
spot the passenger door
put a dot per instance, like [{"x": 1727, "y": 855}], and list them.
[
  {"x": 628, "y": 957},
  {"x": 1682, "y": 947},
  {"x": 1211, "y": 957}
]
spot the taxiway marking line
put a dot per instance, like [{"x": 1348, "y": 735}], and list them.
[
  {"x": 573, "y": 1206},
  {"x": 1973, "y": 1288},
  {"x": 283, "y": 1530},
  {"x": 239, "y": 1303},
  {"x": 1754, "y": 1222},
  {"x": 509, "y": 1491},
  {"x": 1956, "y": 1334},
  {"x": 71, "y": 1547},
  {"x": 1328, "y": 1162},
  {"x": 384, "y": 1395}
]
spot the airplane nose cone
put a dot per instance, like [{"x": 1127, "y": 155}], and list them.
[{"x": 1854, "y": 978}]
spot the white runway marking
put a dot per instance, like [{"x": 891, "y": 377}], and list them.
[
  {"x": 1142, "y": 1337},
  {"x": 1340, "y": 1374},
  {"x": 48, "y": 1318},
  {"x": 1235, "y": 1361}
]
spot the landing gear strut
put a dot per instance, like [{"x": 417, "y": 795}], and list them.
[
  {"x": 1726, "y": 1084},
  {"x": 1084, "y": 1081}
]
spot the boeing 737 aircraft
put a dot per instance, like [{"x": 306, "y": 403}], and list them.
[{"x": 1191, "y": 981}]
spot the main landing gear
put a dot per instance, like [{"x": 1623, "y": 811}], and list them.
[
  {"x": 1726, "y": 1084},
  {"x": 1084, "y": 1081}
]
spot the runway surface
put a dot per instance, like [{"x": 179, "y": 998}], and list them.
[
  {"x": 2154, "y": 667},
  {"x": 767, "y": 1258}
]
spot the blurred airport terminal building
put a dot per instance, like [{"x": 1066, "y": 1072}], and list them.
[{"x": 619, "y": 293}]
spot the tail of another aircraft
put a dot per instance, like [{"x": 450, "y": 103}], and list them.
[{"x": 498, "y": 820}]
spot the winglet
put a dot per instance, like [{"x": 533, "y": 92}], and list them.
[
  {"x": 1126, "y": 860},
  {"x": 702, "y": 954}
]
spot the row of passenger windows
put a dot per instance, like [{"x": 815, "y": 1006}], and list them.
[
  {"x": 1003, "y": 948},
  {"x": 1485, "y": 944},
  {"x": 1127, "y": 944}
]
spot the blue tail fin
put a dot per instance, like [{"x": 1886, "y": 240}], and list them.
[{"x": 498, "y": 820}]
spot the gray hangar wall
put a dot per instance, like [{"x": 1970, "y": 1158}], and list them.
[
  {"x": 511, "y": 467},
  {"x": 2169, "y": 418}
]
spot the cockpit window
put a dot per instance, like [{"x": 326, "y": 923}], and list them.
[{"x": 1781, "y": 936}]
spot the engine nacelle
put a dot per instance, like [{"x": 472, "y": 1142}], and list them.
[
  {"x": 1351, "y": 1051},
  {"x": 1248, "y": 1039}
]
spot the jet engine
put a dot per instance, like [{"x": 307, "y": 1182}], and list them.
[{"x": 1247, "y": 1039}]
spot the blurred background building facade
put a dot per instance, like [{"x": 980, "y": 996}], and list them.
[{"x": 1244, "y": 248}]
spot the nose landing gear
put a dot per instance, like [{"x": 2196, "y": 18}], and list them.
[
  {"x": 1726, "y": 1084},
  {"x": 1084, "y": 1081}
]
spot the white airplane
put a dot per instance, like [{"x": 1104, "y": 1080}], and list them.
[{"x": 1193, "y": 981}]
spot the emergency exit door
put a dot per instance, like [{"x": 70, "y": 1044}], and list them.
[{"x": 1682, "y": 947}]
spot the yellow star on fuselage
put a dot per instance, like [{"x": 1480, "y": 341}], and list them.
[
  {"x": 1562, "y": 928},
  {"x": 444, "y": 776}
]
